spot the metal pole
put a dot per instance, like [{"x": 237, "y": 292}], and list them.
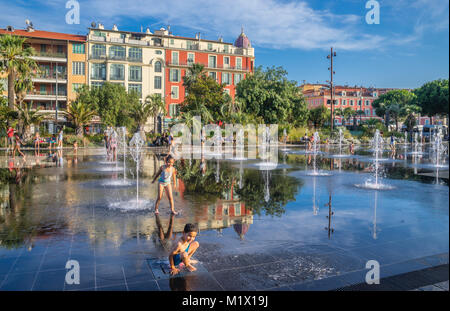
[
  {"x": 56, "y": 101},
  {"x": 332, "y": 91}
]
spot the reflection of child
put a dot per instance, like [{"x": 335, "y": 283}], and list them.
[{"x": 182, "y": 252}]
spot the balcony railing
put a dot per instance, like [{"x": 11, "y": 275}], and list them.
[
  {"x": 116, "y": 57},
  {"x": 51, "y": 76},
  {"x": 135, "y": 59},
  {"x": 116, "y": 77},
  {"x": 51, "y": 54},
  {"x": 97, "y": 56},
  {"x": 97, "y": 77},
  {"x": 46, "y": 93},
  {"x": 208, "y": 66}
]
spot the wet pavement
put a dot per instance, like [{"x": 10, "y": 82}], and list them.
[{"x": 276, "y": 229}]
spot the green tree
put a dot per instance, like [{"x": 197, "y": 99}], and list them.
[
  {"x": 80, "y": 114},
  {"x": 395, "y": 104},
  {"x": 205, "y": 96},
  {"x": 432, "y": 97},
  {"x": 13, "y": 53},
  {"x": 271, "y": 96},
  {"x": 349, "y": 113},
  {"x": 29, "y": 117},
  {"x": 318, "y": 116}
]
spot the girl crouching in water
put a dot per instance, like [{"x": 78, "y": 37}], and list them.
[{"x": 164, "y": 183}]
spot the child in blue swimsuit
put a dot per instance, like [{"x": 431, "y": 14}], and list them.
[
  {"x": 164, "y": 183},
  {"x": 182, "y": 252}
]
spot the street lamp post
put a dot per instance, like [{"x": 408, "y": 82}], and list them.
[
  {"x": 361, "y": 98},
  {"x": 56, "y": 100},
  {"x": 330, "y": 57}
]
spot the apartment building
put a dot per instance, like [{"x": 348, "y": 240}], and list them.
[
  {"x": 358, "y": 98},
  {"x": 227, "y": 63},
  {"x": 134, "y": 60},
  {"x": 62, "y": 61}
]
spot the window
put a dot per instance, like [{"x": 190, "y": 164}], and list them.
[
  {"x": 351, "y": 102},
  {"x": 98, "y": 51},
  {"x": 158, "y": 82},
  {"x": 43, "y": 89},
  {"x": 98, "y": 71},
  {"x": 59, "y": 49},
  {"x": 135, "y": 73},
  {"x": 96, "y": 85},
  {"x": 367, "y": 102},
  {"x": 117, "y": 72},
  {"x": 213, "y": 75},
  {"x": 175, "y": 58},
  {"x": 237, "y": 78},
  {"x": 78, "y": 48},
  {"x": 344, "y": 102},
  {"x": 135, "y": 54},
  {"x": 226, "y": 78},
  {"x": 158, "y": 52},
  {"x": 190, "y": 59},
  {"x": 211, "y": 61},
  {"x": 367, "y": 112},
  {"x": 158, "y": 66},
  {"x": 225, "y": 49},
  {"x": 174, "y": 75},
  {"x": 174, "y": 92},
  {"x": 238, "y": 63},
  {"x": 135, "y": 88},
  {"x": 99, "y": 34},
  {"x": 226, "y": 62},
  {"x": 189, "y": 45},
  {"x": 173, "y": 110},
  {"x": 374, "y": 94},
  {"x": 359, "y": 102},
  {"x": 117, "y": 52},
  {"x": 210, "y": 47},
  {"x": 43, "y": 48},
  {"x": 78, "y": 68},
  {"x": 76, "y": 86},
  {"x": 343, "y": 93}
]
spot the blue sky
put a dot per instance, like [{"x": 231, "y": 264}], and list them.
[{"x": 408, "y": 48}]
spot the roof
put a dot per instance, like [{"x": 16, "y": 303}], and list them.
[{"x": 41, "y": 34}]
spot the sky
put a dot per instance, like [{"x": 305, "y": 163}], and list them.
[{"x": 408, "y": 47}]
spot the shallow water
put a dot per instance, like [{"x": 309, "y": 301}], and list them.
[{"x": 50, "y": 213}]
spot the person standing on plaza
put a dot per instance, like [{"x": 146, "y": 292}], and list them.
[
  {"x": 37, "y": 142},
  {"x": 17, "y": 146},
  {"x": 10, "y": 133},
  {"x": 60, "y": 139}
]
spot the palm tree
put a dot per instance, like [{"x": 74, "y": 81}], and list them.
[
  {"x": 80, "y": 115},
  {"x": 156, "y": 106},
  {"x": 29, "y": 117},
  {"x": 348, "y": 113},
  {"x": 13, "y": 53},
  {"x": 192, "y": 74}
]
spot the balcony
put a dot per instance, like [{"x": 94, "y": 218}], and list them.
[
  {"x": 116, "y": 57},
  {"x": 98, "y": 56},
  {"x": 50, "y": 77},
  {"x": 38, "y": 95},
  {"x": 208, "y": 66},
  {"x": 50, "y": 57},
  {"x": 117, "y": 77},
  {"x": 97, "y": 77},
  {"x": 134, "y": 59}
]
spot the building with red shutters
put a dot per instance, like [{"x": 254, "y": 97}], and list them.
[{"x": 227, "y": 63}]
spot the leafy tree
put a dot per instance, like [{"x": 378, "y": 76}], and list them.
[
  {"x": 432, "y": 97},
  {"x": 395, "y": 104},
  {"x": 348, "y": 113},
  {"x": 80, "y": 114},
  {"x": 318, "y": 116},
  {"x": 29, "y": 117},
  {"x": 13, "y": 54},
  {"x": 268, "y": 94},
  {"x": 204, "y": 97}
]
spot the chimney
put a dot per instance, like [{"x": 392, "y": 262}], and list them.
[
  {"x": 100, "y": 26},
  {"x": 148, "y": 31},
  {"x": 115, "y": 28}
]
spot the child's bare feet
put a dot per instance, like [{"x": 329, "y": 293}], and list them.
[
  {"x": 191, "y": 268},
  {"x": 174, "y": 212},
  {"x": 193, "y": 261},
  {"x": 156, "y": 212}
]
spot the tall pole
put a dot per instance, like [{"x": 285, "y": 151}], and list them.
[
  {"x": 56, "y": 101},
  {"x": 332, "y": 54}
]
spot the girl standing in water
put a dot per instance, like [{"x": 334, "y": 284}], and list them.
[{"x": 164, "y": 183}]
